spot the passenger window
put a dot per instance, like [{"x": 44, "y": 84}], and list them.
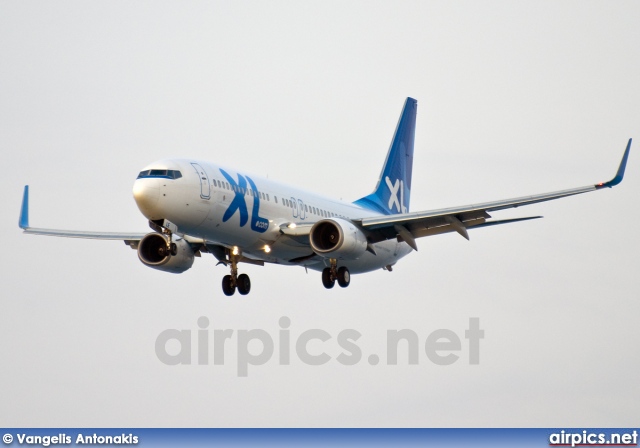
[{"x": 276, "y": 199}]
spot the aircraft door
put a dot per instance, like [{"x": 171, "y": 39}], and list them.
[
  {"x": 301, "y": 212},
  {"x": 294, "y": 207},
  {"x": 205, "y": 186}
]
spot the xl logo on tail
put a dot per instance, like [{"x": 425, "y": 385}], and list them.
[{"x": 393, "y": 195}]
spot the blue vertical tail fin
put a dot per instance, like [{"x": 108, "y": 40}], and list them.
[{"x": 393, "y": 191}]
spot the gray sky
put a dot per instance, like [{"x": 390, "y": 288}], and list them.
[{"x": 513, "y": 98}]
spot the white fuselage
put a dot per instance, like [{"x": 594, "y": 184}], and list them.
[{"x": 232, "y": 209}]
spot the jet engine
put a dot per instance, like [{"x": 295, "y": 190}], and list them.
[
  {"x": 337, "y": 238},
  {"x": 158, "y": 252}
]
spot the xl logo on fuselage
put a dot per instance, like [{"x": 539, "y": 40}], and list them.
[{"x": 239, "y": 203}]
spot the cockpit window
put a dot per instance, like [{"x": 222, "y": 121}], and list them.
[{"x": 162, "y": 174}]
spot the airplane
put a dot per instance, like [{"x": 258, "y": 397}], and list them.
[{"x": 196, "y": 207}]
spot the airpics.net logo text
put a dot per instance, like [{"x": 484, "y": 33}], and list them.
[{"x": 257, "y": 347}]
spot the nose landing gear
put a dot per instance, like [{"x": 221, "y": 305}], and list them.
[
  {"x": 333, "y": 273},
  {"x": 166, "y": 228}
]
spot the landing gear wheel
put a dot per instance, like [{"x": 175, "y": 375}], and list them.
[
  {"x": 344, "y": 277},
  {"x": 244, "y": 284},
  {"x": 174, "y": 249},
  {"x": 327, "y": 279},
  {"x": 227, "y": 285}
]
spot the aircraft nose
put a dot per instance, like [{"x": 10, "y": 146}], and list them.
[{"x": 146, "y": 194}]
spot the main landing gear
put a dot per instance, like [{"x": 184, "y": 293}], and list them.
[
  {"x": 333, "y": 273},
  {"x": 234, "y": 281}
]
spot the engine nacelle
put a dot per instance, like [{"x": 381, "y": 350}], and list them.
[
  {"x": 154, "y": 251},
  {"x": 337, "y": 238}
]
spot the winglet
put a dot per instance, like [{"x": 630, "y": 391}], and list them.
[
  {"x": 24, "y": 210},
  {"x": 620, "y": 174}
]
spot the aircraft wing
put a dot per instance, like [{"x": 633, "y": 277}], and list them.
[
  {"x": 129, "y": 237},
  {"x": 408, "y": 226}
]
